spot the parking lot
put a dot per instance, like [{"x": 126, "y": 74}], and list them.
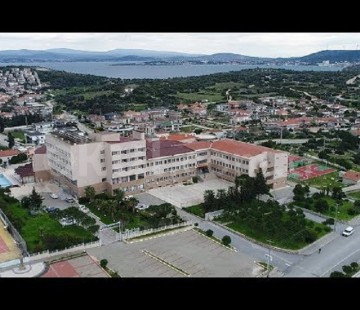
[
  {"x": 45, "y": 189},
  {"x": 186, "y": 253}
]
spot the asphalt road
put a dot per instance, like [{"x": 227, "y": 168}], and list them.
[{"x": 336, "y": 250}]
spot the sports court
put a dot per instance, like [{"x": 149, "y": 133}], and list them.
[
  {"x": 296, "y": 161},
  {"x": 79, "y": 267},
  {"x": 8, "y": 247},
  {"x": 309, "y": 172}
]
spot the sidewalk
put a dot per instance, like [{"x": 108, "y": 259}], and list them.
[
  {"x": 29, "y": 271},
  {"x": 313, "y": 247}
]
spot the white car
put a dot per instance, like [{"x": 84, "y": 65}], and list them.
[
  {"x": 142, "y": 206},
  {"x": 54, "y": 196},
  {"x": 84, "y": 209},
  {"x": 348, "y": 231}
]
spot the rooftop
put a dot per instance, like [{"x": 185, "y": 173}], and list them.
[
  {"x": 162, "y": 148},
  {"x": 41, "y": 150},
  {"x": 6, "y": 153},
  {"x": 352, "y": 175},
  {"x": 72, "y": 136}
]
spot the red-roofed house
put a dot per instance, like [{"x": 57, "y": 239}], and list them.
[
  {"x": 6, "y": 155},
  {"x": 351, "y": 177}
]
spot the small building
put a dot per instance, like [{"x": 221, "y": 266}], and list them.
[
  {"x": 6, "y": 155},
  {"x": 351, "y": 177},
  {"x": 26, "y": 173},
  {"x": 34, "y": 137}
]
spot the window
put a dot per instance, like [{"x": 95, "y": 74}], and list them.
[
  {"x": 140, "y": 176},
  {"x": 124, "y": 152},
  {"x": 102, "y": 160},
  {"x": 133, "y": 177},
  {"x": 103, "y": 168},
  {"x": 103, "y": 179},
  {"x": 132, "y": 150},
  {"x": 102, "y": 152}
]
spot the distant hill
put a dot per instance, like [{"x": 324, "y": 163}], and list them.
[
  {"x": 332, "y": 56},
  {"x": 140, "y": 55}
]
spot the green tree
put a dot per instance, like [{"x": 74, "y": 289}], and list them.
[
  {"x": 209, "y": 233},
  {"x": 103, "y": 263},
  {"x": 35, "y": 200},
  {"x": 210, "y": 202},
  {"x": 119, "y": 195},
  {"x": 337, "y": 193},
  {"x": 11, "y": 140},
  {"x": 321, "y": 205},
  {"x": 90, "y": 193},
  {"x": 226, "y": 240},
  {"x": 2, "y": 125},
  {"x": 260, "y": 186},
  {"x": 337, "y": 274}
]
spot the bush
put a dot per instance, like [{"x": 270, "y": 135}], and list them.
[
  {"x": 83, "y": 200},
  {"x": 102, "y": 196},
  {"x": 196, "y": 224},
  {"x": 195, "y": 179},
  {"x": 310, "y": 236},
  {"x": 327, "y": 229},
  {"x": 329, "y": 221},
  {"x": 347, "y": 269},
  {"x": 318, "y": 229},
  {"x": 337, "y": 274},
  {"x": 209, "y": 233},
  {"x": 226, "y": 240},
  {"x": 352, "y": 211},
  {"x": 103, "y": 263}
]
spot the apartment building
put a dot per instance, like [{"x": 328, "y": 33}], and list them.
[{"x": 108, "y": 161}]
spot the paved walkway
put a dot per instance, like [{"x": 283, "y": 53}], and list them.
[{"x": 29, "y": 271}]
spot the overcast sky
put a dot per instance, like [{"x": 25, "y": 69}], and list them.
[{"x": 251, "y": 44}]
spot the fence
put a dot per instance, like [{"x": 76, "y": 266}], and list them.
[
  {"x": 133, "y": 234},
  {"x": 75, "y": 248},
  {"x": 14, "y": 233},
  {"x": 329, "y": 163}
]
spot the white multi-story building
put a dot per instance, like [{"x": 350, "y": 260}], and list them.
[{"x": 108, "y": 161}]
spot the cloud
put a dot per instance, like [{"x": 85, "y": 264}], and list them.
[{"x": 252, "y": 44}]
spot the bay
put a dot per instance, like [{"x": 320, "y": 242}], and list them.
[{"x": 126, "y": 71}]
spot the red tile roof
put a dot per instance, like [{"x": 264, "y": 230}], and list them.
[
  {"x": 25, "y": 171},
  {"x": 240, "y": 148},
  {"x": 162, "y": 148},
  {"x": 199, "y": 145},
  {"x": 7, "y": 153},
  {"x": 352, "y": 175},
  {"x": 41, "y": 150}
]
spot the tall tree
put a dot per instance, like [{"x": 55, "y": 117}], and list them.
[
  {"x": 11, "y": 140},
  {"x": 90, "y": 192},
  {"x": 260, "y": 186},
  {"x": 119, "y": 195}
]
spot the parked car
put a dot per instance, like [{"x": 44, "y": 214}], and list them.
[
  {"x": 142, "y": 206},
  {"x": 67, "y": 222},
  {"x": 52, "y": 209},
  {"x": 84, "y": 209},
  {"x": 54, "y": 196},
  {"x": 348, "y": 231},
  {"x": 69, "y": 199}
]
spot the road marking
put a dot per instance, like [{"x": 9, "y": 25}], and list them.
[{"x": 340, "y": 262}]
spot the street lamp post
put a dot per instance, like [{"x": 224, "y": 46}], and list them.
[
  {"x": 268, "y": 259},
  {"x": 336, "y": 212}
]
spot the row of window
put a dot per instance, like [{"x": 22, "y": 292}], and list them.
[
  {"x": 170, "y": 178},
  {"x": 57, "y": 150},
  {"x": 58, "y": 158},
  {"x": 129, "y": 178},
  {"x": 142, "y": 149},
  {"x": 128, "y": 168},
  {"x": 238, "y": 160},
  {"x": 127, "y": 160},
  {"x": 228, "y": 173},
  {"x": 171, "y": 160}
]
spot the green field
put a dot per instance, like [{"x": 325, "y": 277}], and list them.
[
  {"x": 330, "y": 179},
  {"x": 196, "y": 210},
  {"x": 285, "y": 242},
  {"x": 17, "y": 134},
  {"x": 202, "y": 95}
]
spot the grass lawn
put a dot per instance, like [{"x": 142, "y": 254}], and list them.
[
  {"x": 103, "y": 218},
  {"x": 330, "y": 179},
  {"x": 342, "y": 209},
  {"x": 92, "y": 94},
  {"x": 197, "y": 210},
  {"x": 202, "y": 95},
  {"x": 355, "y": 195},
  {"x": 17, "y": 134},
  {"x": 283, "y": 243},
  {"x": 188, "y": 129}
]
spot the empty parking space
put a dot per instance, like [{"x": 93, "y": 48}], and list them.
[{"x": 186, "y": 253}]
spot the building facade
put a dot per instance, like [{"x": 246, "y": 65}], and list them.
[{"x": 108, "y": 161}]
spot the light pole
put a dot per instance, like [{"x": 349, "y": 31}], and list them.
[
  {"x": 336, "y": 212},
  {"x": 268, "y": 258}
]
